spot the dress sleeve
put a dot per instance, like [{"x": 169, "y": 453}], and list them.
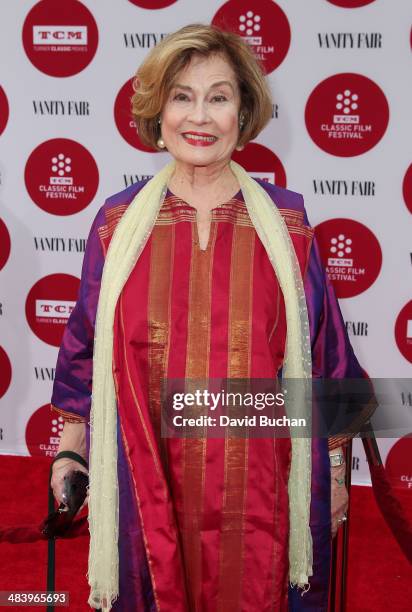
[
  {"x": 72, "y": 387},
  {"x": 332, "y": 353}
]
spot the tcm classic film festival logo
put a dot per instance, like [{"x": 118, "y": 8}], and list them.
[
  {"x": 407, "y": 188},
  {"x": 262, "y": 24},
  {"x": 61, "y": 176},
  {"x": 351, "y": 255},
  {"x": 60, "y": 38},
  {"x": 399, "y": 464},
  {"x": 49, "y": 304},
  {"x": 346, "y": 114},
  {"x": 43, "y": 432},
  {"x": 124, "y": 119},
  {"x": 403, "y": 331},
  {"x": 261, "y": 163}
]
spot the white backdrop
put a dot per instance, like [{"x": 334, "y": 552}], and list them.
[{"x": 60, "y": 76}]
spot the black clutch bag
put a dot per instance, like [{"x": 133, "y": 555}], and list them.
[{"x": 74, "y": 493}]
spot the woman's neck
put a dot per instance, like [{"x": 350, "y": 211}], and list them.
[{"x": 204, "y": 186}]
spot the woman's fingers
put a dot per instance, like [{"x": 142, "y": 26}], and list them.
[{"x": 61, "y": 468}]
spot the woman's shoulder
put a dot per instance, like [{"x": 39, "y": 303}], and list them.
[
  {"x": 124, "y": 197},
  {"x": 283, "y": 198}
]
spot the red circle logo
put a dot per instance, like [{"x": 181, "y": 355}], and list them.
[
  {"x": 61, "y": 176},
  {"x": 153, "y": 4},
  {"x": 5, "y": 372},
  {"x": 263, "y": 25},
  {"x": 124, "y": 118},
  {"x": 4, "y": 244},
  {"x": 346, "y": 114},
  {"x": 4, "y": 110},
  {"x": 60, "y": 38},
  {"x": 350, "y": 3},
  {"x": 407, "y": 188},
  {"x": 261, "y": 163},
  {"x": 399, "y": 464},
  {"x": 49, "y": 304},
  {"x": 351, "y": 255},
  {"x": 403, "y": 331},
  {"x": 43, "y": 432}
]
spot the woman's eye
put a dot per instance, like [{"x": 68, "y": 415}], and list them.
[
  {"x": 219, "y": 98},
  {"x": 180, "y": 97}
]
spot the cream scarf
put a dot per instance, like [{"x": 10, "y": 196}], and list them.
[{"x": 125, "y": 248}]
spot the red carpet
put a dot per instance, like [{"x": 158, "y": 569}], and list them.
[{"x": 379, "y": 577}]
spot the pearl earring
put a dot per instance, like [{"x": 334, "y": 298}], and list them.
[
  {"x": 161, "y": 143},
  {"x": 241, "y": 120}
]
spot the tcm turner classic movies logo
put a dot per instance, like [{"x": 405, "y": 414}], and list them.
[
  {"x": 43, "y": 432},
  {"x": 49, "y": 304},
  {"x": 262, "y": 24},
  {"x": 346, "y": 114},
  {"x": 61, "y": 176},
  {"x": 60, "y": 38},
  {"x": 351, "y": 255}
]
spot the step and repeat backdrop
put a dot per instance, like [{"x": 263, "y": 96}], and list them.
[{"x": 340, "y": 133}]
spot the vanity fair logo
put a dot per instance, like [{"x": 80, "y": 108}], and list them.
[
  {"x": 350, "y": 40},
  {"x": 60, "y": 38},
  {"x": 262, "y": 24},
  {"x": 43, "y": 432},
  {"x": 124, "y": 118},
  {"x": 5, "y": 244},
  {"x": 76, "y": 108},
  {"x": 56, "y": 244},
  {"x": 407, "y": 188},
  {"x": 403, "y": 331},
  {"x": 142, "y": 40},
  {"x": 399, "y": 464},
  {"x": 61, "y": 176},
  {"x": 49, "y": 304},
  {"x": 350, "y": 3},
  {"x": 346, "y": 114},
  {"x": 344, "y": 187},
  {"x": 351, "y": 255},
  {"x": 4, "y": 110},
  {"x": 153, "y": 4},
  {"x": 261, "y": 163},
  {"x": 5, "y": 372}
]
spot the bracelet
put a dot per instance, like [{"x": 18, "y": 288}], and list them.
[
  {"x": 71, "y": 455},
  {"x": 336, "y": 460}
]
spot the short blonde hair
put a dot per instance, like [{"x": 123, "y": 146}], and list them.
[{"x": 156, "y": 75}]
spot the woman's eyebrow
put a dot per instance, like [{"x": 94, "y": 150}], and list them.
[{"x": 213, "y": 86}]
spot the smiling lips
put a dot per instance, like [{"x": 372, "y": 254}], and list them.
[{"x": 199, "y": 139}]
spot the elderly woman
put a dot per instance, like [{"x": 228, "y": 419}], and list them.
[{"x": 201, "y": 272}]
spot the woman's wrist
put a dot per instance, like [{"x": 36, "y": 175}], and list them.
[{"x": 336, "y": 457}]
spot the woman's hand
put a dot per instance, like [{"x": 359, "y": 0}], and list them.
[
  {"x": 60, "y": 468},
  {"x": 73, "y": 438},
  {"x": 339, "y": 496}
]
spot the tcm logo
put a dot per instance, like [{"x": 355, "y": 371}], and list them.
[
  {"x": 61, "y": 35},
  {"x": 345, "y": 103},
  {"x": 249, "y": 25},
  {"x": 54, "y": 308},
  {"x": 340, "y": 246}
]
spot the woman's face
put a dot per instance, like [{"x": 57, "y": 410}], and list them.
[{"x": 200, "y": 120}]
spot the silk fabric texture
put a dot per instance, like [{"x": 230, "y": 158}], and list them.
[{"x": 126, "y": 246}]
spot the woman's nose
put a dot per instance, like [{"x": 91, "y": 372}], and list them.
[{"x": 199, "y": 113}]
